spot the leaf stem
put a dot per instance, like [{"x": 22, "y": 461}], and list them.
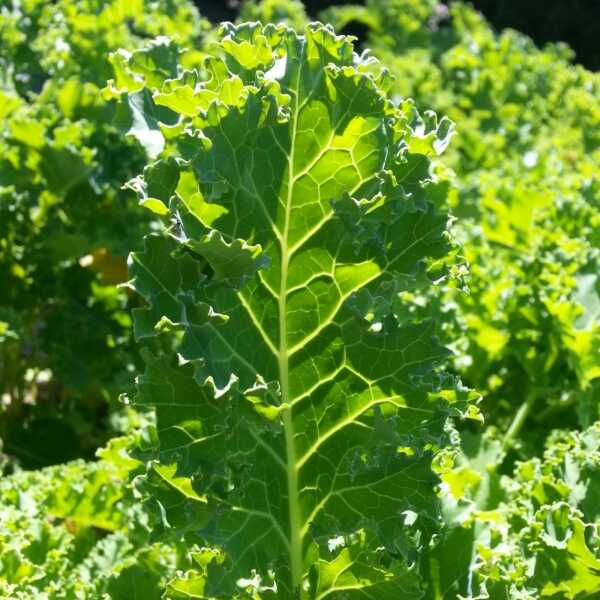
[
  {"x": 553, "y": 409},
  {"x": 283, "y": 359},
  {"x": 520, "y": 418},
  {"x": 288, "y": 426}
]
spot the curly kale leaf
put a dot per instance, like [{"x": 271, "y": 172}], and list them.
[{"x": 300, "y": 406}]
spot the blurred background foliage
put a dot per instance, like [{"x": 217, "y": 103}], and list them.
[
  {"x": 66, "y": 225},
  {"x": 573, "y": 22}
]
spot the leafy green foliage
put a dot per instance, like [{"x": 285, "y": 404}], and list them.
[
  {"x": 65, "y": 224},
  {"x": 531, "y": 535},
  {"x": 527, "y": 205},
  {"x": 288, "y": 12},
  {"x": 75, "y": 531},
  {"x": 298, "y": 404},
  {"x": 298, "y": 287}
]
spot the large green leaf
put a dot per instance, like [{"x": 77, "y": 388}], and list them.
[{"x": 298, "y": 415}]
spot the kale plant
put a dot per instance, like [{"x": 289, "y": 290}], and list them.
[{"x": 299, "y": 399}]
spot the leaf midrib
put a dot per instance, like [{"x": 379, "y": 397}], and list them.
[{"x": 295, "y": 545}]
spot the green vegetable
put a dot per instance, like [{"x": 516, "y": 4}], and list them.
[
  {"x": 76, "y": 531},
  {"x": 531, "y": 535},
  {"x": 298, "y": 403},
  {"x": 527, "y": 335},
  {"x": 65, "y": 222},
  {"x": 298, "y": 293}
]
